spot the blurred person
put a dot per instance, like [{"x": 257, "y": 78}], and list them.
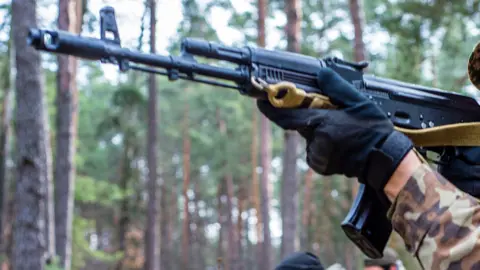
[
  {"x": 389, "y": 261},
  {"x": 336, "y": 266},
  {"x": 300, "y": 261}
]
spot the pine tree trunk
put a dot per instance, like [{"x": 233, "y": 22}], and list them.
[
  {"x": 31, "y": 134},
  {"x": 289, "y": 200},
  {"x": 50, "y": 200},
  {"x": 5, "y": 133},
  {"x": 265, "y": 258},
  {"x": 201, "y": 244},
  {"x": 240, "y": 229},
  {"x": 306, "y": 214},
  {"x": 265, "y": 192},
  {"x": 221, "y": 231},
  {"x": 231, "y": 243},
  {"x": 315, "y": 225},
  {"x": 349, "y": 259},
  {"x": 328, "y": 214},
  {"x": 8, "y": 230},
  {"x": 124, "y": 205},
  {"x": 289, "y": 203},
  {"x": 173, "y": 211},
  {"x": 249, "y": 251},
  {"x": 165, "y": 226},
  {"x": 356, "y": 13},
  {"x": 152, "y": 234},
  {"x": 293, "y": 28},
  {"x": 195, "y": 237},
  {"x": 357, "y": 16},
  {"x": 230, "y": 254},
  {"x": 255, "y": 187},
  {"x": 186, "y": 184},
  {"x": 345, "y": 191},
  {"x": 69, "y": 19}
]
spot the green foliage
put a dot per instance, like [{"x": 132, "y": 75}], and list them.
[
  {"x": 317, "y": 21},
  {"x": 81, "y": 250},
  {"x": 54, "y": 265},
  {"x": 103, "y": 193},
  {"x": 5, "y": 19},
  {"x": 245, "y": 22}
]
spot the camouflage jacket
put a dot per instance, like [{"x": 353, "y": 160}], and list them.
[{"x": 439, "y": 223}]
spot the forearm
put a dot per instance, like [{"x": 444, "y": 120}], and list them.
[
  {"x": 438, "y": 222},
  {"x": 401, "y": 175}
]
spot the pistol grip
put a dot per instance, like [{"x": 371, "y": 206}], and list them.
[{"x": 366, "y": 224}]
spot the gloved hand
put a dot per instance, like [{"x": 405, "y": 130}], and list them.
[
  {"x": 463, "y": 169},
  {"x": 356, "y": 140},
  {"x": 300, "y": 261}
]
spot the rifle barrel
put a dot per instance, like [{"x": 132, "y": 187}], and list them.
[
  {"x": 216, "y": 51},
  {"x": 97, "y": 49}
]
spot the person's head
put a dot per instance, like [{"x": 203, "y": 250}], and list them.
[
  {"x": 387, "y": 262},
  {"x": 300, "y": 261},
  {"x": 473, "y": 66}
]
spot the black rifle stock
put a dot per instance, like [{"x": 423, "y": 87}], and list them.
[{"x": 407, "y": 105}]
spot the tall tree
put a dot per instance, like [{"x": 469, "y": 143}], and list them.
[
  {"x": 306, "y": 213},
  {"x": 227, "y": 244},
  {"x": 255, "y": 186},
  {"x": 289, "y": 203},
  {"x": 221, "y": 221},
  {"x": 199, "y": 242},
  {"x": 49, "y": 187},
  {"x": 232, "y": 255},
  {"x": 186, "y": 185},
  {"x": 31, "y": 134},
  {"x": 69, "y": 19},
  {"x": 124, "y": 177},
  {"x": 359, "y": 52},
  {"x": 358, "y": 21},
  {"x": 151, "y": 235},
  {"x": 5, "y": 133},
  {"x": 241, "y": 229},
  {"x": 168, "y": 201},
  {"x": 265, "y": 156},
  {"x": 325, "y": 218},
  {"x": 50, "y": 200}
]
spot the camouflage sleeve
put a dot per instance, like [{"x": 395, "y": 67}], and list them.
[{"x": 439, "y": 223}]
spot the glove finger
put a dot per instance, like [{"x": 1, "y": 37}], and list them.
[
  {"x": 293, "y": 119},
  {"x": 318, "y": 152},
  {"x": 307, "y": 133},
  {"x": 341, "y": 92}
]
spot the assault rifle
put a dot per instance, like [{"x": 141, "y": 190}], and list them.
[{"x": 410, "y": 107}]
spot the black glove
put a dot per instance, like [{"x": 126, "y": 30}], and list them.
[
  {"x": 356, "y": 140},
  {"x": 300, "y": 261},
  {"x": 462, "y": 168}
]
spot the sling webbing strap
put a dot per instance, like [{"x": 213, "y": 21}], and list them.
[{"x": 461, "y": 134}]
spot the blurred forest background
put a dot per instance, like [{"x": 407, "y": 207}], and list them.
[{"x": 137, "y": 172}]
